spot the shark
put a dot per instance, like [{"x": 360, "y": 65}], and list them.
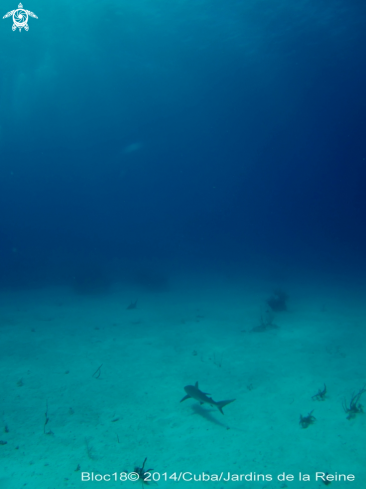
[{"x": 193, "y": 392}]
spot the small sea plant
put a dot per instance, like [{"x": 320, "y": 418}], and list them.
[
  {"x": 354, "y": 407},
  {"x": 306, "y": 421},
  {"x": 144, "y": 474},
  {"x": 320, "y": 395},
  {"x": 266, "y": 322}
]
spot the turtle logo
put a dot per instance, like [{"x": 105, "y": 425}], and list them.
[{"x": 20, "y": 18}]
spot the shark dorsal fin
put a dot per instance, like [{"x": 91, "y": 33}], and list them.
[{"x": 196, "y": 384}]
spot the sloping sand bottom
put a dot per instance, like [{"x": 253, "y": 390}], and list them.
[{"x": 53, "y": 341}]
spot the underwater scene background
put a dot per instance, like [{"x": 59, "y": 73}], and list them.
[{"x": 182, "y": 200}]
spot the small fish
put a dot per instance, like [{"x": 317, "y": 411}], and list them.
[{"x": 193, "y": 392}]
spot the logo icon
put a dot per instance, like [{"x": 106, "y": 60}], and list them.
[{"x": 20, "y": 18}]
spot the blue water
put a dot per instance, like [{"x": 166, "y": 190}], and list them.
[{"x": 182, "y": 147}]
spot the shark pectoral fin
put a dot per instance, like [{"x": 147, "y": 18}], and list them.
[
  {"x": 185, "y": 397},
  {"x": 222, "y": 404}
]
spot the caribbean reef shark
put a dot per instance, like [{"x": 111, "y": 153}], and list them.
[{"x": 193, "y": 392}]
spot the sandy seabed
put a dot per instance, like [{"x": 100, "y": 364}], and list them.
[{"x": 53, "y": 341}]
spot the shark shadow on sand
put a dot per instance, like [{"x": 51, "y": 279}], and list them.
[{"x": 206, "y": 414}]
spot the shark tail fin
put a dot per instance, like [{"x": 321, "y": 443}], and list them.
[{"x": 222, "y": 404}]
